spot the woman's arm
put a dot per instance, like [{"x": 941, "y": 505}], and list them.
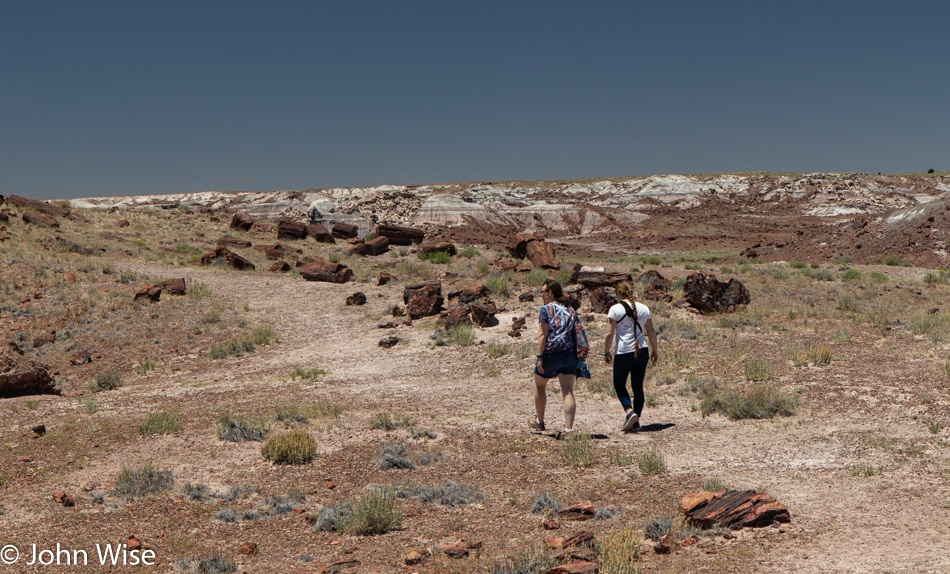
[
  {"x": 651, "y": 334},
  {"x": 609, "y": 339},
  {"x": 542, "y": 341}
]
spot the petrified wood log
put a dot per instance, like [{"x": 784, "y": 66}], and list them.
[
  {"x": 733, "y": 509},
  {"x": 400, "y": 235}
]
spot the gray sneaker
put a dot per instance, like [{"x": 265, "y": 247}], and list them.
[{"x": 632, "y": 421}]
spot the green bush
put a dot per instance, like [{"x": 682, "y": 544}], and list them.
[
  {"x": 375, "y": 514},
  {"x": 498, "y": 284},
  {"x": 844, "y": 260},
  {"x": 850, "y": 275},
  {"x": 651, "y": 260},
  {"x": 877, "y": 277},
  {"x": 292, "y": 447},
  {"x": 198, "y": 290},
  {"x": 436, "y": 257},
  {"x": 496, "y": 350},
  {"x": 462, "y": 335},
  {"x": 468, "y": 252},
  {"x": 797, "y": 264},
  {"x": 108, "y": 380},
  {"x": 892, "y": 260},
  {"x": 758, "y": 369},
  {"x": 160, "y": 422},
  {"x": 536, "y": 277}
]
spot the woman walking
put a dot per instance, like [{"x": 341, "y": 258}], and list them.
[
  {"x": 626, "y": 323},
  {"x": 556, "y": 353}
]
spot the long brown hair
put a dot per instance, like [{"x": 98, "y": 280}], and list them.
[{"x": 555, "y": 288}]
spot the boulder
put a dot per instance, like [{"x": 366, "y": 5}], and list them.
[
  {"x": 291, "y": 230},
  {"x": 436, "y": 247},
  {"x": 280, "y": 267},
  {"x": 41, "y": 339},
  {"x": 242, "y": 221},
  {"x": 425, "y": 301},
  {"x": 122, "y": 223},
  {"x": 174, "y": 286},
  {"x": 21, "y": 376},
  {"x": 592, "y": 277},
  {"x": 484, "y": 315},
  {"x": 221, "y": 255},
  {"x": 358, "y": 298},
  {"x": 77, "y": 217},
  {"x": 454, "y": 550},
  {"x": 400, "y": 235},
  {"x": 409, "y": 290},
  {"x": 733, "y": 509},
  {"x": 580, "y": 511},
  {"x": 398, "y": 311},
  {"x": 40, "y": 206},
  {"x": 526, "y": 297},
  {"x": 384, "y": 278},
  {"x": 377, "y": 246},
  {"x": 149, "y": 292},
  {"x": 602, "y": 299},
  {"x": 37, "y": 218},
  {"x": 460, "y": 314},
  {"x": 63, "y": 498},
  {"x": 81, "y": 358},
  {"x": 470, "y": 294},
  {"x": 320, "y": 233},
  {"x": 709, "y": 295},
  {"x": 517, "y": 325},
  {"x": 326, "y": 272},
  {"x": 389, "y": 341},
  {"x": 232, "y": 243},
  {"x": 655, "y": 286},
  {"x": 529, "y": 246},
  {"x": 344, "y": 230}
]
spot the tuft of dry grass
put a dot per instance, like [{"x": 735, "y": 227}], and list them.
[{"x": 292, "y": 447}]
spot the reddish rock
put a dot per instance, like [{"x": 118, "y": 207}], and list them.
[
  {"x": 320, "y": 233},
  {"x": 709, "y": 295},
  {"x": 232, "y": 243},
  {"x": 517, "y": 325},
  {"x": 602, "y": 299},
  {"x": 425, "y": 301},
  {"x": 398, "y": 311},
  {"x": 550, "y": 525},
  {"x": 458, "y": 314},
  {"x": 39, "y": 219},
  {"x": 483, "y": 315},
  {"x": 81, "y": 358},
  {"x": 454, "y": 550},
  {"x": 426, "y": 248},
  {"x": 38, "y": 430},
  {"x": 248, "y": 549},
  {"x": 388, "y": 342},
  {"x": 689, "y": 540},
  {"x": 291, "y": 230},
  {"x": 263, "y": 227},
  {"x": 242, "y": 221},
  {"x": 410, "y": 290},
  {"x": 327, "y": 272},
  {"x": 377, "y": 246},
  {"x": 580, "y": 511},
  {"x": 174, "y": 286},
  {"x": 554, "y": 542},
  {"x": 655, "y": 287},
  {"x": 63, "y": 498},
  {"x": 664, "y": 545},
  {"x": 400, "y": 235},
  {"x": 526, "y": 297},
  {"x": 70, "y": 277},
  {"x": 43, "y": 339},
  {"x": 122, "y": 223},
  {"x": 577, "y": 555},
  {"x": 358, "y": 298},
  {"x": 575, "y": 568},
  {"x": 582, "y": 538},
  {"x": 280, "y": 267},
  {"x": 149, "y": 292},
  {"x": 227, "y": 257},
  {"x": 77, "y": 217},
  {"x": 528, "y": 246},
  {"x": 344, "y": 230},
  {"x": 733, "y": 509},
  {"x": 355, "y": 240},
  {"x": 19, "y": 375},
  {"x": 40, "y": 206},
  {"x": 414, "y": 558},
  {"x": 386, "y": 325},
  {"x": 592, "y": 277},
  {"x": 384, "y": 278},
  {"x": 133, "y": 543},
  {"x": 470, "y": 294}
]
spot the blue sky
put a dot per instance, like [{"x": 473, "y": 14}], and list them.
[{"x": 132, "y": 97}]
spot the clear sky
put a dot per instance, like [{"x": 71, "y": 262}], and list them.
[{"x": 136, "y": 97}]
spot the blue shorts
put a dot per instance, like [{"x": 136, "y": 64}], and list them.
[{"x": 557, "y": 363}]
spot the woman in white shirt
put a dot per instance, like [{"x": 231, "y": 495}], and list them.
[{"x": 627, "y": 321}]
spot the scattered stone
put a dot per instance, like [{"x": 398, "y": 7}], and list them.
[
  {"x": 280, "y": 267},
  {"x": 550, "y": 525},
  {"x": 344, "y": 230},
  {"x": 19, "y": 375},
  {"x": 575, "y": 568},
  {"x": 425, "y": 301},
  {"x": 602, "y": 299},
  {"x": 43, "y": 339},
  {"x": 410, "y": 290},
  {"x": 377, "y": 246},
  {"x": 582, "y": 538},
  {"x": 414, "y": 558},
  {"x": 326, "y": 272},
  {"x": 398, "y": 311},
  {"x": 122, "y": 223},
  {"x": 580, "y": 511},
  {"x": 291, "y": 230},
  {"x": 460, "y": 314},
  {"x": 63, "y": 498},
  {"x": 39, "y": 219},
  {"x": 388, "y": 342},
  {"x": 484, "y": 314},
  {"x": 358, "y": 298},
  {"x": 386, "y": 325},
  {"x": 39, "y": 430},
  {"x": 320, "y": 233},
  {"x": 709, "y": 295},
  {"x": 151, "y": 292},
  {"x": 40, "y": 206},
  {"x": 592, "y": 277},
  {"x": 232, "y": 243},
  {"x": 470, "y": 294},
  {"x": 384, "y": 279},
  {"x": 227, "y": 257},
  {"x": 248, "y": 549},
  {"x": 733, "y": 509},
  {"x": 133, "y": 543},
  {"x": 400, "y": 235},
  {"x": 263, "y": 227},
  {"x": 242, "y": 221},
  {"x": 454, "y": 550},
  {"x": 81, "y": 358},
  {"x": 526, "y": 297},
  {"x": 517, "y": 325},
  {"x": 174, "y": 286},
  {"x": 541, "y": 253},
  {"x": 427, "y": 248}
]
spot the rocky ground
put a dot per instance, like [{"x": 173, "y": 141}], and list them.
[{"x": 861, "y": 459}]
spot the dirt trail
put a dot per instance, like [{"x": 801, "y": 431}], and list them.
[{"x": 895, "y": 523}]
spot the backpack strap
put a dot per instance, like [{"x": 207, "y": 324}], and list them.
[{"x": 636, "y": 326}]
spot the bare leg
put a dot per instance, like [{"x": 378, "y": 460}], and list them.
[
  {"x": 540, "y": 398},
  {"x": 570, "y": 406}
]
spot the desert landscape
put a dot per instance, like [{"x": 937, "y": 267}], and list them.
[{"x": 338, "y": 380}]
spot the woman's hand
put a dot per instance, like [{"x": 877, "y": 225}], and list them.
[
  {"x": 539, "y": 364},
  {"x": 607, "y": 357},
  {"x": 654, "y": 356}
]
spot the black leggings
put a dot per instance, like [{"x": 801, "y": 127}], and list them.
[{"x": 636, "y": 368}]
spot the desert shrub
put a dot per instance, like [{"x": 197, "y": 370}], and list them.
[
  {"x": 577, "y": 449},
  {"x": 824, "y": 274},
  {"x": 850, "y": 275},
  {"x": 762, "y": 401},
  {"x": 468, "y": 252},
  {"x": 846, "y": 302},
  {"x": 250, "y": 515},
  {"x": 620, "y": 552},
  {"x": 331, "y": 519},
  {"x": 808, "y": 272},
  {"x": 292, "y": 447},
  {"x": 482, "y": 266},
  {"x": 866, "y": 470},
  {"x": 602, "y": 383},
  {"x": 658, "y": 527},
  {"x": 308, "y": 374},
  {"x": 545, "y": 504},
  {"x": 90, "y": 406},
  {"x": 877, "y": 277},
  {"x": 758, "y": 369},
  {"x": 892, "y": 260},
  {"x": 563, "y": 277},
  {"x": 160, "y": 422},
  {"x": 713, "y": 485},
  {"x": 679, "y": 356},
  {"x": 376, "y": 513},
  {"x": 108, "y": 380},
  {"x": 536, "y": 277},
  {"x": 226, "y": 515},
  {"x": 398, "y": 456},
  {"x": 386, "y": 421},
  {"x": 198, "y": 290},
  {"x": 605, "y": 513},
  {"x": 934, "y": 426},
  {"x": 621, "y": 459},
  {"x": 651, "y": 260},
  {"x": 844, "y": 260},
  {"x": 143, "y": 481},
  {"x": 195, "y": 491},
  {"x": 651, "y": 461},
  {"x": 498, "y": 284},
  {"x": 797, "y": 264},
  {"x": 818, "y": 353},
  {"x": 216, "y": 565},
  {"x": 462, "y": 335},
  {"x": 303, "y": 412},
  {"x": 436, "y": 257},
  {"x": 527, "y": 561},
  {"x": 212, "y": 316},
  {"x": 263, "y": 335},
  {"x": 144, "y": 367},
  {"x": 449, "y": 493},
  {"x": 237, "y": 428},
  {"x": 496, "y": 350},
  {"x": 333, "y": 257}
]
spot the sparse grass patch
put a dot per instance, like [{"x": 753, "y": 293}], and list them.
[
  {"x": 449, "y": 493},
  {"x": 462, "y": 335},
  {"x": 536, "y": 277},
  {"x": 90, "y": 406},
  {"x": 658, "y": 527},
  {"x": 713, "y": 485},
  {"x": 651, "y": 260},
  {"x": 797, "y": 264},
  {"x": 577, "y": 449},
  {"x": 263, "y": 335},
  {"x": 441, "y": 257},
  {"x": 239, "y": 428},
  {"x": 398, "y": 456},
  {"x": 620, "y": 552},
  {"x": 618, "y": 458},
  {"x": 866, "y": 470},
  {"x": 468, "y": 252},
  {"x": 108, "y": 380},
  {"x": 212, "y": 316},
  {"x": 292, "y": 447},
  {"x": 818, "y": 353},
  {"x": 386, "y": 421},
  {"x": 850, "y": 275},
  {"x": 376, "y": 513},
  {"x": 892, "y": 260},
  {"x": 877, "y": 277},
  {"x": 143, "y": 481},
  {"x": 496, "y": 350},
  {"x": 498, "y": 284},
  {"x": 307, "y": 374},
  {"x": 532, "y": 560},
  {"x": 32, "y": 405},
  {"x": 934, "y": 426},
  {"x": 651, "y": 461},
  {"x": 679, "y": 356},
  {"x": 758, "y": 369},
  {"x": 198, "y": 290},
  {"x": 545, "y": 504},
  {"x": 144, "y": 367},
  {"x": 762, "y": 401},
  {"x": 160, "y": 422},
  {"x": 846, "y": 302}
]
